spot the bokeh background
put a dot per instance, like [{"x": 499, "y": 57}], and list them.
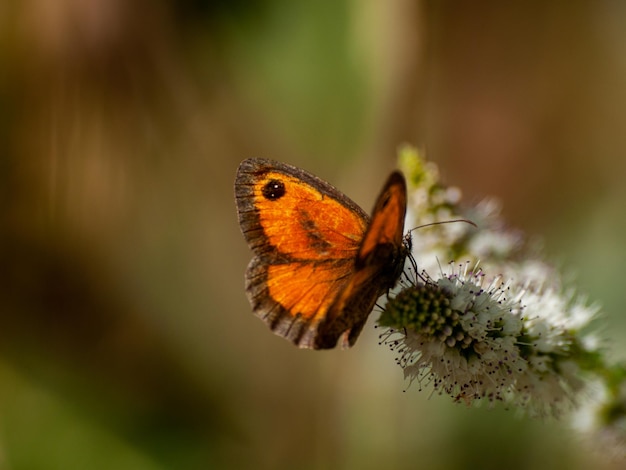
[{"x": 126, "y": 340}]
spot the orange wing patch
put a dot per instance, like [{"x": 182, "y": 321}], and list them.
[
  {"x": 303, "y": 222},
  {"x": 319, "y": 264},
  {"x": 305, "y": 288},
  {"x": 387, "y": 224}
]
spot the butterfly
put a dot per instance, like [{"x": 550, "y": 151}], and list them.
[{"x": 320, "y": 262}]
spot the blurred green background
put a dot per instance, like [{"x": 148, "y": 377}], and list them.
[{"x": 126, "y": 340}]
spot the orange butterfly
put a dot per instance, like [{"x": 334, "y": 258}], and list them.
[{"x": 320, "y": 262}]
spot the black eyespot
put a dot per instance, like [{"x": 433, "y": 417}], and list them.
[{"x": 273, "y": 189}]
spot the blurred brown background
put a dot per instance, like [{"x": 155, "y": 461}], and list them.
[{"x": 126, "y": 340}]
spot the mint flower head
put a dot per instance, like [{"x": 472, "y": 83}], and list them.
[
  {"x": 497, "y": 324},
  {"x": 479, "y": 339}
]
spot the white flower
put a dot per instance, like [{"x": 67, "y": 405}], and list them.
[{"x": 472, "y": 339}]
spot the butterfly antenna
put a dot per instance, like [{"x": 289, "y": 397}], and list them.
[{"x": 445, "y": 222}]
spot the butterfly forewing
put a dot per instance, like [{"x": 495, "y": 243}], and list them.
[{"x": 379, "y": 264}]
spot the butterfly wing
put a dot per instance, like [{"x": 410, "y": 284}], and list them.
[
  {"x": 378, "y": 265},
  {"x": 305, "y": 236}
]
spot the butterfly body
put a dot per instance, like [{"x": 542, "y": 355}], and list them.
[{"x": 320, "y": 262}]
